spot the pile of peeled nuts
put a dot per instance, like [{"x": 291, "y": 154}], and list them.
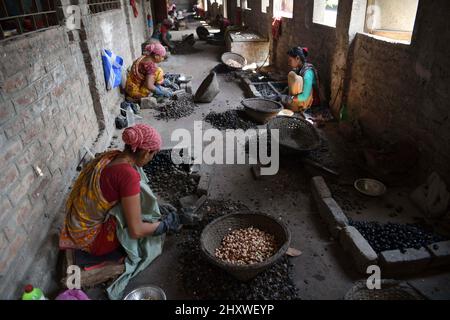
[
  {"x": 233, "y": 63},
  {"x": 246, "y": 246}
]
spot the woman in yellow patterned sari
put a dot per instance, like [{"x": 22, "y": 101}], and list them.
[
  {"x": 145, "y": 77},
  {"x": 106, "y": 181}
]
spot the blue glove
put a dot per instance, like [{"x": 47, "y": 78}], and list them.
[
  {"x": 162, "y": 92},
  {"x": 167, "y": 83},
  {"x": 158, "y": 91},
  {"x": 166, "y": 209},
  {"x": 167, "y": 93},
  {"x": 170, "y": 223}
]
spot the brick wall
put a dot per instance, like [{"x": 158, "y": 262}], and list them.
[
  {"x": 53, "y": 102},
  {"x": 403, "y": 91},
  {"x": 47, "y": 116},
  {"x": 122, "y": 33}
]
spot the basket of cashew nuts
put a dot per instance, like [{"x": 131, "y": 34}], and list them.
[{"x": 245, "y": 244}]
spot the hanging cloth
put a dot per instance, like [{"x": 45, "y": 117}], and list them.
[
  {"x": 135, "y": 10},
  {"x": 276, "y": 28}
]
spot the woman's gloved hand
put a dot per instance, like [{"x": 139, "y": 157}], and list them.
[
  {"x": 163, "y": 92},
  {"x": 166, "y": 208},
  {"x": 170, "y": 223}
]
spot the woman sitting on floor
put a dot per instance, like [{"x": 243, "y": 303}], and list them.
[
  {"x": 145, "y": 77},
  {"x": 303, "y": 82},
  {"x": 108, "y": 181},
  {"x": 163, "y": 35}
]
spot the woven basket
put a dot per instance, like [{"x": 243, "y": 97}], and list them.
[
  {"x": 233, "y": 56},
  {"x": 261, "y": 110},
  {"x": 214, "y": 233},
  {"x": 295, "y": 134},
  {"x": 390, "y": 290}
]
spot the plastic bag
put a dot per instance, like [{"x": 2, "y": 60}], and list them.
[
  {"x": 73, "y": 294},
  {"x": 112, "y": 68}
]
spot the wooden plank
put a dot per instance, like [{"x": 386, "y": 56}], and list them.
[
  {"x": 93, "y": 277},
  {"x": 90, "y": 278}
]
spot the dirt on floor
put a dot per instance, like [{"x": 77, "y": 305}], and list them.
[{"x": 323, "y": 270}]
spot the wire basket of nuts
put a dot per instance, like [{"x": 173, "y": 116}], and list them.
[{"x": 245, "y": 244}]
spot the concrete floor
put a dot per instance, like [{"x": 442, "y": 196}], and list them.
[{"x": 323, "y": 271}]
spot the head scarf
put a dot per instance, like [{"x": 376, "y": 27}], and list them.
[
  {"x": 142, "y": 136},
  {"x": 300, "y": 52},
  {"x": 156, "y": 48}
]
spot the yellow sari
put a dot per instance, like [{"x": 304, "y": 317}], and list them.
[
  {"x": 86, "y": 207},
  {"x": 135, "y": 87}
]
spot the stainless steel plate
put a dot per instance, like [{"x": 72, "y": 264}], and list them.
[
  {"x": 146, "y": 293},
  {"x": 370, "y": 187}
]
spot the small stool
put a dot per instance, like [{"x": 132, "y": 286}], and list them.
[{"x": 95, "y": 275}]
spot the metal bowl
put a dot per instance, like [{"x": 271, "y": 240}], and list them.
[
  {"x": 370, "y": 187},
  {"x": 184, "y": 79},
  {"x": 146, "y": 293},
  {"x": 261, "y": 110},
  {"x": 235, "y": 57}
]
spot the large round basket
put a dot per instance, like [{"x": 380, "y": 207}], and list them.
[
  {"x": 261, "y": 110},
  {"x": 214, "y": 233},
  {"x": 231, "y": 56},
  {"x": 295, "y": 134},
  {"x": 390, "y": 290}
]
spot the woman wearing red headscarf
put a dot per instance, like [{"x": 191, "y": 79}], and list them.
[
  {"x": 109, "y": 180},
  {"x": 145, "y": 77}
]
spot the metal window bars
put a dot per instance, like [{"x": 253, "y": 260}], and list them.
[
  {"x": 96, "y": 6},
  {"x": 26, "y": 16}
]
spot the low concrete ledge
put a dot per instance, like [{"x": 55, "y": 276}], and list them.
[
  {"x": 319, "y": 188},
  {"x": 333, "y": 215},
  {"x": 440, "y": 253},
  {"x": 357, "y": 246},
  {"x": 394, "y": 262}
]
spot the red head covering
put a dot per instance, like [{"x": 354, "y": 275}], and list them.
[
  {"x": 155, "y": 48},
  {"x": 142, "y": 136}
]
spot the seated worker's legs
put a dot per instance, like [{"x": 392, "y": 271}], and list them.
[
  {"x": 134, "y": 91},
  {"x": 106, "y": 240},
  {"x": 161, "y": 92},
  {"x": 297, "y": 105}
]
